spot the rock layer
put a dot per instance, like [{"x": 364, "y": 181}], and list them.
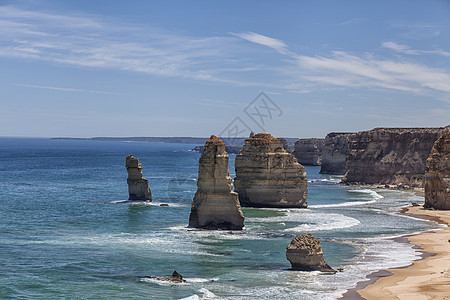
[
  {"x": 394, "y": 156},
  {"x": 334, "y": 153},
  {"x": 437, "y": 175},
  {"x": 138, "y": 188},
  {"x": 215, "y": 205},
  {"x": 308, "y": 152},
  {"x": 268, "y": 176},
  {"x": 305, "y": 254}
]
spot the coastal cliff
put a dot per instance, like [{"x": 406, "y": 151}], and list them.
[
  {"x": 215, "y": 205},
  {"x": 268, "y": 176},
  {"x": 393, "y": 156},
  {"x": 334, "y": 153},
  {"x": 437, "y": 175},
  {"x": 308, "y": 152},
  {"x": 138, "y": 188}
]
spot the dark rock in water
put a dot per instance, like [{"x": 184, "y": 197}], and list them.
[
  {"x": 437, "y": 175},
  {"x": 305, "y": 254},
  {"x": 164, "y": 204},
  {"x": 138, "y": 188},
  {"x": 175, "y": 277},
  {"x": 268, "y": 176},
  {"x": 215, "y": 205}
]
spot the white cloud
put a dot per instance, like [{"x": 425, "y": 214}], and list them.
[
  {"x": 263, "y": 40},
  {"x": 63, "y": 89},
  {"x": 407, "y": 50}
]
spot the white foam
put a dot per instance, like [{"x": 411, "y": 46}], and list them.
[
  {"x": 326, "y": 224},
  {"x": 344, "y": 204}
]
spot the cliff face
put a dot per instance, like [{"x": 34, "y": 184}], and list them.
[
  {"x": 437, "y": 175},
  {"x": 215, "y": 205},
  {"x": 334, "y": 153},
  {"x": 308, "y": 152},
  {"x": 389, "y": 155},
  {"x": 138, "y": 188},
  {"x": 268, "y": 176}
]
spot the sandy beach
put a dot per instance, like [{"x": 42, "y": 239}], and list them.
[{"x": 428, "y": 278}]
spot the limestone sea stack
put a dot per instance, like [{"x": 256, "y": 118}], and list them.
[
  {"x": 268, "y": 176},
  {"x": 390, "y": 156},
  {"x": 215, "y": 205},
  {"x": 308, "y": 152},
  {"x": 138, "y": 188},
  {"x": 437, "y": 174},
  {"x": 334, "y": 153},
  {"x": 305, "y": 254}
]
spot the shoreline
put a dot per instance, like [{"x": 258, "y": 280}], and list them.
[{"x": 425, "y": 278}]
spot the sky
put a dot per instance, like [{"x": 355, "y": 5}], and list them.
[{"x": 195, "y": 68}]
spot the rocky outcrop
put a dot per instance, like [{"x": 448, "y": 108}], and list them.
[
  {"x": 175, "y": 278},
  {"x": 215, "y": 205},
  {"x": 308, "y": 152},
  {"x": 437, "y": 174},
  {"x": 334, "y": 153},
  {"x": 389, "y": 156},
  {"x": 305, "y": 254},
  {"x": 138, "y": 188},
  {"x": 268, "y": 176}
]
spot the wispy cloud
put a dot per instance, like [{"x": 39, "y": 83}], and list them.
[
  {"x": 64, "y": 89},
  {"x": 260, "y": 39},
  {"x": 407, "y": 50}
]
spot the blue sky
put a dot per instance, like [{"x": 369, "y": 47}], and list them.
[{"x": 190, "y": 68}]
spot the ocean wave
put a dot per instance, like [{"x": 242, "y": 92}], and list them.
[
  {"x": 328, "y": 224},
  {"x": 372, "y": 193},
  {"x": 207, "y": 294}
]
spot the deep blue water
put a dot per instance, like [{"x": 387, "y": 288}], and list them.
[{"x": 66, "y": 231}]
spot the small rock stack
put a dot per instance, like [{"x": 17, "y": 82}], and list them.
[
  {"x": 138, "y": 188},
  {"x": 215, "y": 205}
]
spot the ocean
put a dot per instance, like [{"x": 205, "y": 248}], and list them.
[{"x": 67, "y": 231}]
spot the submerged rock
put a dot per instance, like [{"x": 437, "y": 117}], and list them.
[
  {"x": 268, "y": 176},
  {"x": 437, "y": 175},
  {"x": 138, "y": 188},
  {"x": 394, "y": 156},
  {"x": 308, "y": 152},
  {"x": 175, "y": 277},
  {"x": 305, "y": 254},
  {"x": 215, "y": 205}
]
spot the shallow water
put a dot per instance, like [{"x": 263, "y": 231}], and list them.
[{"x": 67, "y": 230}]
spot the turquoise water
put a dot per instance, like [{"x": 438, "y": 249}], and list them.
[{"x": 66, "y": 230}]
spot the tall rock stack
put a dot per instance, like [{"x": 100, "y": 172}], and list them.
[
  {"x": 138, "y": 188},
  {"x": 334, "y": 153},
  {"x": 268, "y": 176},
  {"x": 437, "y": 175},
  {"x": 392, "y": 156},
  {"x": 215, "y": 205},
  {"x": 308, "y": 152}
]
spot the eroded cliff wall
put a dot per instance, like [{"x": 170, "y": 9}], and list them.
[
  {"x": 308, "y": 152},
  {"x": 394, "y": 156},
  {"x": 334, "y": 153}
]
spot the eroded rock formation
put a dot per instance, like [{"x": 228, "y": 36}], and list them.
[
  {"x": 268, "y": 176},
  {"x": 138, "y": 188},
  {"x": 392, "y": 156},
  {"x": 308, "y": 152},
  {"x": 305, "y": 254},
  {"x": 334, "y": 153},
  {"x": 437, "y": 175},
  {"x": 215, "y": 205}
]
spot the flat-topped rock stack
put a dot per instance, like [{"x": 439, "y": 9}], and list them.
[
  {"x": 334, "y": 153},
  {"x": 138, "y": 188},
  {"x": 308, "y": 152},
  {"x": 305, "y": 254},
  {"x": 268, "y": 176},
  {"x": 215, "y": 205},
  {"x": 437, "y": 175},
  {"x": 390, "y": 156}
]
